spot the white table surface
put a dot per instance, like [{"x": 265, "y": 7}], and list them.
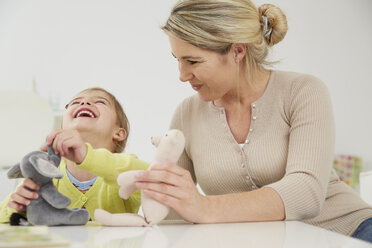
[{"x": 285, "y": 234}]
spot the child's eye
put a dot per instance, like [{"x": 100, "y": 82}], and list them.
[
  {"x": 72, "y": 103},
  {"x": 100, "y": 101}
]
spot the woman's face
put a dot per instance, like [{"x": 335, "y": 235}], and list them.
[{"x": 209, "y": 73}]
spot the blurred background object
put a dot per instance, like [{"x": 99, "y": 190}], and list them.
[{"x": 26, "y": 120}]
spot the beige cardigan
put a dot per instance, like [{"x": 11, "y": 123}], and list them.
[{"x": 289, "y": 148}]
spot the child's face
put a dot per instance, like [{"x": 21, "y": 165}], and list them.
[{"x": 93, "y": 112}]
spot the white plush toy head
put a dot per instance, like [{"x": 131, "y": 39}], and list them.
[{"x": 169, "y": 146}]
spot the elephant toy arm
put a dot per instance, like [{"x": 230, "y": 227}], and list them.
[{"x": 53, "y": 197}]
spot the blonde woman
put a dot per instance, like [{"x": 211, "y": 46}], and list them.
[{"x": 259, "y": 142}]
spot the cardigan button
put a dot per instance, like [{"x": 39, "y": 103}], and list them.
[{"x": 83, "y": 198}]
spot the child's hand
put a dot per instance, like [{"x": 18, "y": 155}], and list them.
[
  {"x": 22, "y": 196},
  {"x": 69, "y": 144}
]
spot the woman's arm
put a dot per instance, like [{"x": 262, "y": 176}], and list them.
[{"x": 178, "y": 191}]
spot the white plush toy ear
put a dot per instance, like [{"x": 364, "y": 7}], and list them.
[
  {"x": 45, "y": 167},
  {"x": 169, "y": 146}
]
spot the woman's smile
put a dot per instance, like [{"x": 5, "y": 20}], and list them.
[{"x": 196, "y": 87}]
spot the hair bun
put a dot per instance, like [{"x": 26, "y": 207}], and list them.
[{"x": 276, "y": 21}]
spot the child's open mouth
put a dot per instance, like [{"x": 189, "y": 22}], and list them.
[{"x": 85, "y": 113}]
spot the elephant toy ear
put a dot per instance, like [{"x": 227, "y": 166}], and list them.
[
  {"x": 15, "y": 172},
  {"x": 56, "y": 158},
  {"x": 45, "y": 167}
]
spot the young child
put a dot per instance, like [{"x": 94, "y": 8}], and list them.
[{"x": 93, "y": 135}]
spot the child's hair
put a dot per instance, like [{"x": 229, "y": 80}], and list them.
[{"x": 122, "y": 119}]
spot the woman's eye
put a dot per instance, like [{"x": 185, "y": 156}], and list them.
[{"x": 191, "y": 62}]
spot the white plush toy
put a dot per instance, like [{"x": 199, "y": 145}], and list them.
[{"x": 169, "y": 148}]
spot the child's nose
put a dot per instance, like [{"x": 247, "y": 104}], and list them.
[{"x": 85, "y": 102}]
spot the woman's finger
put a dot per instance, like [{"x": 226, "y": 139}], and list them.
[
  {"x": 162, "y": 188},
  {"x": 159, "y": 176},
  {"x": 165, "y": 199},
  {"x": 171, "y": 167}
]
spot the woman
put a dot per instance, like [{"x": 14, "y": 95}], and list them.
[{"x": 259, "y": 142}]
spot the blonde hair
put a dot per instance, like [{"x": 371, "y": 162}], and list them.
[
  {"x": 217, "y": 24},
  {"x": 122, "y": 119}
]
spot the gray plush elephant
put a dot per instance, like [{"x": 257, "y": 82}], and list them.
[{"x": 51, "y": 206}]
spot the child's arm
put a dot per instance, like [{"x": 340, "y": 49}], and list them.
[
  {"x": 100, "y": 162},
  {"x": 103, "y": 163}
]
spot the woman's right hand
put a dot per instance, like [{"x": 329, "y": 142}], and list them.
[{"x": 22, "y": 196}]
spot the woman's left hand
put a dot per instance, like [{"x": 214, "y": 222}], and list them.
[{"x": 173, "y": 186}]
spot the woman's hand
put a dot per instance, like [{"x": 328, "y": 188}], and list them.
[
  {"x": 68, "y": 143},
  {"x": 173, "y": 186},
  {"x": 22, "y": 196}
]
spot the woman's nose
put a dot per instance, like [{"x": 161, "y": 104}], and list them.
[{"x": 185, "y": 75}]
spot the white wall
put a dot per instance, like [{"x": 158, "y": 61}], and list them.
[{"x": 69, "y": 45}]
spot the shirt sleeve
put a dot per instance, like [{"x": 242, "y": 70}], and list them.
[
  {"x": 108, "y": 165},
  {"x": 311, "y": 149}
]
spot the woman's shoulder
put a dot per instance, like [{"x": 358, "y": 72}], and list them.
[
  {"x": 293, "y": 83},
  {"x": 292, "y": 79}
]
